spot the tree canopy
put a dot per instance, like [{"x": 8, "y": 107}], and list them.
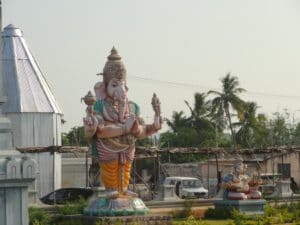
[{"x": 223, "y": 120}]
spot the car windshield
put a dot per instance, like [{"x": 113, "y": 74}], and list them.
[
  {"x": 58, "y": 195},
  {"x": 192, "y": 183}
]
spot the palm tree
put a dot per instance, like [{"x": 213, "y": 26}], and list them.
[
  {"x": 262, "y": 131},
  {"x": 248, "y": 125},
  {"x": 226, "y": 98},
  {"x": 201, "y": 121},
  {"x": 201, "y": 106},
  {"x": 178, "y": 121},
  {"x": 219, "y": 123},
  {"x": 183, "y": 133},
  {"x": 279, "y": 130}
]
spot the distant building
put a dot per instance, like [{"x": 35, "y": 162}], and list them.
[
  {"x": 284, "y": 161},
  {"x": 31, "y": 107},
  {"x": 271, "y": 164}
]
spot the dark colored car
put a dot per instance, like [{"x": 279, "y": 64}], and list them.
[{"x": 66, "y": 195}]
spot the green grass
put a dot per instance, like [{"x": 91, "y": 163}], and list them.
[
  {"x": 217, "y": 222},
  {"x": 204, "y": 222}
]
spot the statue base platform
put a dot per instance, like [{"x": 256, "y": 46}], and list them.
[
  {"x": 121, "y": 206},
  {"x": 249, "y": 207}
]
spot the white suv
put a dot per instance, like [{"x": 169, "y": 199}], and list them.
[{"x": 187, "y": 187}]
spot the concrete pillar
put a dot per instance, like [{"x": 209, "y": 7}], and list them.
[{"x": 16, "y": 174}]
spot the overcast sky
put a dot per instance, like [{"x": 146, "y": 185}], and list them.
[{"x": 171, "y": 47}]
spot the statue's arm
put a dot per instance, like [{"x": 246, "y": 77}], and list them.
[
  {"x": 111, "y": 130},
  {"x": 141, "y": 130},
  {"x": 115, "y": 130},
  {"x": 90, "y": 126},
  {"x": 94, "y": 124}
]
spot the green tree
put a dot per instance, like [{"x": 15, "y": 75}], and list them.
[
  {"x": 195, "y": 130},
  {"x": 182, "y": 134},
  {"x": 75, "y": 136},
  {"x": 184, "y": 137},
  {"x": 262, "y": 131},
  {"x": 216, "y": 116},
  {"x": 227, "y": 98},
  {"x": 200, "y": 120},
  {"x": 201, "y": 106},
  {"x": 178, "y": 121},
  {"x": 252, "y": 128},
  {"x": 296, "y": 135},
  {"x": 146, "y": 142},
  {"x": 64, "y": 138},
  {"x": 247, "y": 125},
  {"x": 279, "y": 133}
]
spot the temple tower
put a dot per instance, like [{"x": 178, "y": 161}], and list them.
[{"x": 31, "y": 107}]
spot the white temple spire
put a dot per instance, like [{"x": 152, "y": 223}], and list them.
[{"x": 25, "y": 87}]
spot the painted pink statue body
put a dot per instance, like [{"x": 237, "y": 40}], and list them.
[
  {"x": 116, "y": 91},
  {"x": 112, "y": 125}
]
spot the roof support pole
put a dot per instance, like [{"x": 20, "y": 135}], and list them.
[{"x": 2, "y": 99}]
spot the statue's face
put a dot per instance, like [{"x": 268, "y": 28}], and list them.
[
  {"x": 117, "y": 90},
  {"x": 241, "y": 168}
]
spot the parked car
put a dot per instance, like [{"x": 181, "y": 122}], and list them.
[
  {"x": 66, "y": 195},
  {"x": 187, "y": 187}
]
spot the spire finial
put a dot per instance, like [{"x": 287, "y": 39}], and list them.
[{"x": 114, "y": 55}]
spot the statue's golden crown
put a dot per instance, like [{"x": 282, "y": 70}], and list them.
[{"x": 114, "y": 67}]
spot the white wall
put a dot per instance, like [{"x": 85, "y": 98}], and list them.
[
  {"x": 74, "y": 172},
  {"x": 46, "y": 180},
  {"x": 35, "y": 129},
  {"x": 40, "y": 130}
]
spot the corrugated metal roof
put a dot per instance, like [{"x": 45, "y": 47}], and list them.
[{"x": 24, "y": 85}]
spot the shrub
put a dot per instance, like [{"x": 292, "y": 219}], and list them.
[
  {"x": 217, "y": 213},
  {"x": 192, "y": 221},
  {"x": 69, "y": 222},
  {"x": 270, "y": 211},
  {"x": 38, "y": 216},
  {"x": 74, "y": 208},
  {"x": 198, "y": 213},
  {"x": 238, "y": 217},
  {"x": 186, "y": 212}
]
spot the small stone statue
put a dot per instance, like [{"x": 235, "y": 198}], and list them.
[
  {"x": 239, "y": 186},
  {"x": 156, "y": 106}
]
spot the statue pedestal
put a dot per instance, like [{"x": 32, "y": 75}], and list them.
[
  {"x": 249, "y": 207},
  {"x": 98, "y": 192},
  {"x": 121, "y": 206},
  {"x": 282, "y": 190}
]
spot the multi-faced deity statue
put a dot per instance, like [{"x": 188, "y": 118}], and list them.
[
  {"x": 112, "y": 125},
  {"x": 238, "y": 185}
]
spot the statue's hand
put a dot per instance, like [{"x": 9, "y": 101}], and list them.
[
  {"x": 236, "y": 180},
  {"x": 244, "y": 188},
  {"x": 129, "y": 123},
  {"x": 90, "y": 123},
  {"x": 137, "y": 128}
]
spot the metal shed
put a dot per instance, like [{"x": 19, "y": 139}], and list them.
[{"x": 31, "y": 107}]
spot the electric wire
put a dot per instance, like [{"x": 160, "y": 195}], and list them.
[{"x": 189, "y": 85}]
